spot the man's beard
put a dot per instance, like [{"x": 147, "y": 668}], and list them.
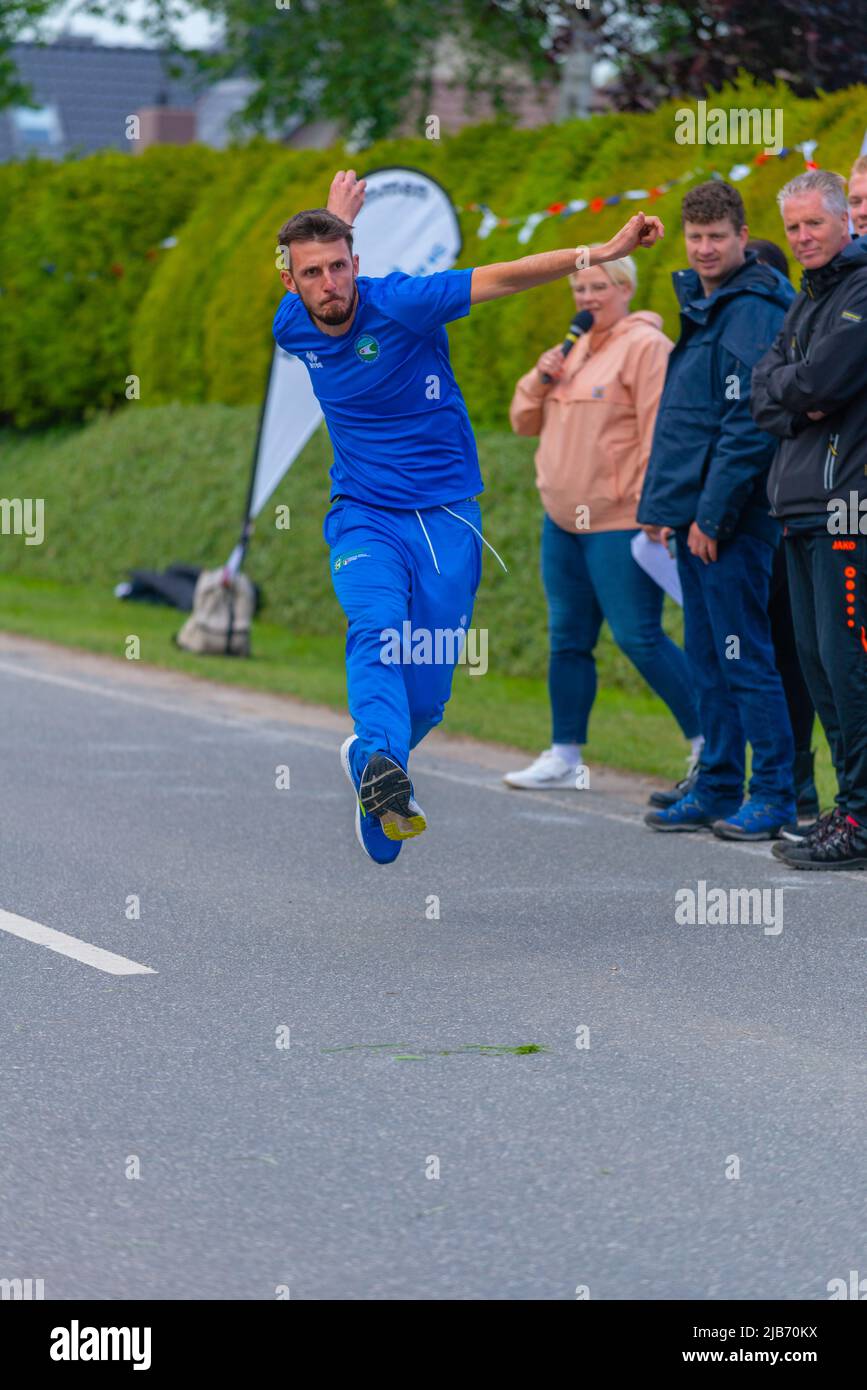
[{"x": 333, "y": 316}]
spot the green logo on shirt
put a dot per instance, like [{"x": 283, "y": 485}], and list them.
[
  {"x": 343, "y": 560},
  {"x": 367, "y": 348}
]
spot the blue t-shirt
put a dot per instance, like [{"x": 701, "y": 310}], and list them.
[{"x": 397, "y": 420}]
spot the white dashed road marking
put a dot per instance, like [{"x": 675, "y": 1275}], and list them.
[{"x": 65, "y": 945}]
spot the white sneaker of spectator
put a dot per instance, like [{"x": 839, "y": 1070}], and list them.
[{"x": 550, "y": 772}]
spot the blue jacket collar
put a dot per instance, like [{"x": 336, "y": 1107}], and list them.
[{"x": 753, "y": 277}]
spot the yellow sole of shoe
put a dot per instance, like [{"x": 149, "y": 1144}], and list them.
[{"x": 395, "y": 827}]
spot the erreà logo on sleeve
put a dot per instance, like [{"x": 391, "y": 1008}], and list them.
[
  {"x": 76, "y": 1343},
  {"x": 367, "y": 348}
]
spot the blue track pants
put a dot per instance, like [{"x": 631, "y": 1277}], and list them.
[{"x": 406, "y": 581}]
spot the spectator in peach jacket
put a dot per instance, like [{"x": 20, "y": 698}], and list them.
[{"x": 595, "y": 425}]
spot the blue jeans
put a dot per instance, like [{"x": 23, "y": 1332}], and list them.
[
  {"x": 728, "y": 643},
  {"x": 588, "y": 577}
]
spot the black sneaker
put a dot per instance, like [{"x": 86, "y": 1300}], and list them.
[
  {"x": 680, "y": 789},
  {"x": 843, "y": 847},
  {"x": 799, "y": 834}
]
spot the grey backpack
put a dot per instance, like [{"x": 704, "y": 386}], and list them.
[{"x": 222, "y": 615}]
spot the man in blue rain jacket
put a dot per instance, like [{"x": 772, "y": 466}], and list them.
[{"x": 706, "y": 484}]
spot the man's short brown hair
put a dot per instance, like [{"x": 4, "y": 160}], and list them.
[
  {"x": 317, "y": 224},
  {"x": 711, "y": 202}
]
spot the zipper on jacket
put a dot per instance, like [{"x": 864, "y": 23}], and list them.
[{"x": 831, "y": 460}]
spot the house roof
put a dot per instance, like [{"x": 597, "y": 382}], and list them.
[{"x": 93, "y": 90}]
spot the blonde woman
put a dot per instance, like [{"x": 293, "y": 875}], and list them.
[{"x": 594, "y": 418}]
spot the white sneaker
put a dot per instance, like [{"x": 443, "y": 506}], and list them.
[{"x": 549, "y": 772}]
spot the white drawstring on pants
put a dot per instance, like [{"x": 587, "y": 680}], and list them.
[
  {"x": 427, "y": 538},
  {"x": 467, "y": 523},
  {"x": 472, "y": 528}
]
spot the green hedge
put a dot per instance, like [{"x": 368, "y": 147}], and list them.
[
  {"x": 81, "y": 240},
  {"x": 194, "y": 322}
]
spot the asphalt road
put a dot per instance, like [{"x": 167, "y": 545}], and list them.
[{"x": 266, "y": 1167}]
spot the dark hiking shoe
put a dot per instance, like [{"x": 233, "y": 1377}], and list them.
[
  {"x": 843, "y": 847},
  {"x": 799, "y": 834}
]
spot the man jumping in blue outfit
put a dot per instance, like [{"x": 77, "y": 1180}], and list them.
[{"x": 404, "y": 527}]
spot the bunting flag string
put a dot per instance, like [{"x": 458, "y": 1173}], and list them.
[{"x": 528, "y": 222}]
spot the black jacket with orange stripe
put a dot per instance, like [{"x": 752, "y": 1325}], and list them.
[{"x": 818, "y": 362}]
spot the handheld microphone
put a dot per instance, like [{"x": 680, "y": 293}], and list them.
[{"x": 581, "y": 324}]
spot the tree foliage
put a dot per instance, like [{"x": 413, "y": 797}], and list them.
[
  {"x": 17, "y": 19},
  {"x": 666, "y": 48},
  {"x": 368, "y": 64}
]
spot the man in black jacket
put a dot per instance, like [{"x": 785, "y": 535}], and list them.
[{"x": 810, "y": 389}]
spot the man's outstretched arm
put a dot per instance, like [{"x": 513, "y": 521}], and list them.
[
  {"x": 346, "y": 198},
  {"x": 511, "y": 277}
]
